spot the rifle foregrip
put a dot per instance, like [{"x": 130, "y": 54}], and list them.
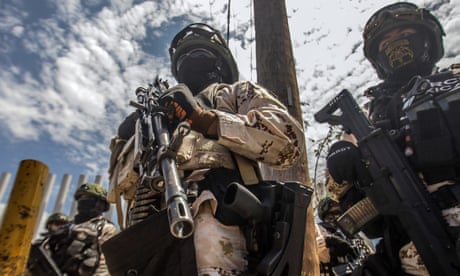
[
  {"x": 326, "y": 114},
  {"x": 239, "y": 199}
]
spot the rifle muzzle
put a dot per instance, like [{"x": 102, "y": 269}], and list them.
[{"x": 181, "y": 220}]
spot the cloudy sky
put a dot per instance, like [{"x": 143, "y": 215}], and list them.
[{"x": 69, "y": 68}]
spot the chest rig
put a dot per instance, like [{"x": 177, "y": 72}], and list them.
[
  {"x": 424, "y": 117},
  {"x": 431, "y": 120}
]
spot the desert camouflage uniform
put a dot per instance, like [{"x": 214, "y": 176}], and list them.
[
  {"x": 108, "y": 231},
  {"x": 252, "y": 124}
]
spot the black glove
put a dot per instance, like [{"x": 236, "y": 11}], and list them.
[
  {"x": 181, "y": 99},
  {"x": 186, "y": 108},
  {"x": 339, "y": 247},
  {"x": 345, "y": 164}
]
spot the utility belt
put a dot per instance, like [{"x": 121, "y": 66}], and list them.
[{"x": 364, "y": 211}]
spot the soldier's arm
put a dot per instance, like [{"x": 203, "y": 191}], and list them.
[{"x": 256, "y": 125}]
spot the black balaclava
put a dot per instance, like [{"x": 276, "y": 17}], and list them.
[
  {"x": 406, "y": 57},
  {"x": 199, "y": 71},
  {"x": 88, "y": 208}
]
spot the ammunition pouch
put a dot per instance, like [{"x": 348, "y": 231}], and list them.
[
  {"x": 123, "y": 177},
  {"x": 357, "y": 216},
  {"x": 432, "y": 120}
]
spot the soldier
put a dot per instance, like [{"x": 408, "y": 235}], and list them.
[
  {"x": 404, "y": 42},
  {"x": 338, "y": 254},
  {"x": 76, "y": 249},
  {"x": 40, "y": 261},
  {"x": 235, "y": 124},
  {"x": 56, "y": 221}
]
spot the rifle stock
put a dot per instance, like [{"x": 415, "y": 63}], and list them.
[{"x": 395, "y": 189}]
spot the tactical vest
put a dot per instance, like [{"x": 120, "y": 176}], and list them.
[
  {"x": 77, "y": 251},
  {"x": 424, "y": 118}
]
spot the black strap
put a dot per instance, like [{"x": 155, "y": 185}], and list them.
[{"x": 447, "y": 196}]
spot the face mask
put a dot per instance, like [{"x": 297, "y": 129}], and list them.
[
  {"x": 88, "y": 208},
  {"x": 198, "y": 73},
  {"x": 406, "y": 57}
]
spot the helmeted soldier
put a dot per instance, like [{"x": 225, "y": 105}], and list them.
[
  {"x": 338, "y": 254},
  {"x": 55, "y": 221},
  {"x": 76, "y": 250},
  {"x": 38, "y": 262},
  {"x": 416, "y": 103},
  {"x": 234, "y": 124}
]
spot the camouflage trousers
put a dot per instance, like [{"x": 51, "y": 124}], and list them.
[
  {"x": 411, "y": 261},
  {"x": 220, "y": 249}
]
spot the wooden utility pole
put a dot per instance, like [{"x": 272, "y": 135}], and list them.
[{"x": 276, "y": 71}]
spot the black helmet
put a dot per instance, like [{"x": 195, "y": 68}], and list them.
[
  {"x": 205, "y": 46},
  {"x": 325, "y": 205},
  {"x": 401, "y": 14},
  {"x": 58, "y": 218}
]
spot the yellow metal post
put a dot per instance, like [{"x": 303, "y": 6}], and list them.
[{"x": 17, "y": 228}]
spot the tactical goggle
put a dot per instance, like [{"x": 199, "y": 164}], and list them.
[
  {"x": 195, "y": 53},
  {"x": 400, "y": 12}
]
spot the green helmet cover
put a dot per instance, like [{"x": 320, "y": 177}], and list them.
[{"x": 91, "y": 189}]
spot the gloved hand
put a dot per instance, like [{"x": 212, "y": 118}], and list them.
[
  {"x": 339, "y": 247},
  {"x": 345, "y": 164},
  {"x": 186, "y": 108}
]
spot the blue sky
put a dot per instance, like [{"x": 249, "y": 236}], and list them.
[{"x": 69, "y": 68}]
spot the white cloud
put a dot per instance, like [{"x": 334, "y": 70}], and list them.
[{"x": 89, "y": 69}]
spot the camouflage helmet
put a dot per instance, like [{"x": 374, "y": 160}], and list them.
[
  {"x": 58, "y": 218},
  {"x": 325, "y": 205},
  {"x": 201, "y": 37},
  {"x": 91, "y": 189},
  {"x": 401, "y": 14}
]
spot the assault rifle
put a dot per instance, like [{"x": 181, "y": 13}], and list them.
[
  {"x": 155, "y": 155},
  {"x": 395, "y": 189},
  {"x": 40, "y": 261}
]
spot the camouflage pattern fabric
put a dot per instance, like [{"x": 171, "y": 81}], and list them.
[
  {"x": 108, "y": 231},
  {"x": 220, "y": 249},
  {"x": 254, "y": 124},
  {"x": 411, "y": 261},
  {"x": 79, "y": 253}
]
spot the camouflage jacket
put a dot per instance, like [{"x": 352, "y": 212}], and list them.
[{"x": 252, "y": 123}]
